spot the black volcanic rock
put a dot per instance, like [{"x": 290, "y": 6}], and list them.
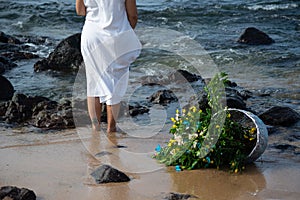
[
  {"x": 253, "y": 36},
  {"x": 66, "y": 56},
  {"x": 279, "y": 115},
  {"x": 163, "y": 97},
  {"x": 178, "y": 196},
  {"x": 108, "y": 174},
  {"x": 6, "y": 89},
  {"x": 4, "y": 38},
  {"x": 15, "y": 193}
]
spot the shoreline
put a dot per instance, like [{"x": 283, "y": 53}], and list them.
[{"x": 57, "y": 166}]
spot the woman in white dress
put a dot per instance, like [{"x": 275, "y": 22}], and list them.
[{"x": 108, "y": 46}]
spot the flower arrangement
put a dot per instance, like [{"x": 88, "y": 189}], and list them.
[{"x": 209, "y": 138}]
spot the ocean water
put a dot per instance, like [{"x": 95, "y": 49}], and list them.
[
  {"x": 213, "y": 25},
  {"x": 205, "y": 29}
]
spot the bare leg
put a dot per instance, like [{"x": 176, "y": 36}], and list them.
[
  {"x": 112, "y": 116},
  {"x": 95, "y": 110}
]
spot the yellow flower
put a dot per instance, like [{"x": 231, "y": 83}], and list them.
[
  {"x": 183, "y": 111},
  {"x": 171, "y": 142},
  {"x": 200, "y": 111},
  {"x": 193, "y": 108},
  {"x": 228, "y": 115},
  {"x": 173, "y": 120},
  {"x": 212, "y": 162},
  {"x": 177, "y": 111},
  {"x": 217, "y": 126},
  {"x": 253, "y": 130},
  {"x": 246, "y": 137},
  {"x": 232, "y": 164},
  {"x": 251, "y": 138},
  {"x": 236, "y": 171},
  {"x": 174, "y": 126}
]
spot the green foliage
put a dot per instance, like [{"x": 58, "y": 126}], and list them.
[
  {"x": 209, "y": 138},
  {"x": 224, "y": 78}
]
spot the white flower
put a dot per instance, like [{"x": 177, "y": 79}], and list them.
[
  {"x": 192, "y": 136},
  {"x": 172, "y": 152},
  {"x": 195, "y": 144},
  {"x": 177, "y": 116},
  {"x": 178, "y": 139},
  {"x": 201, "y": 133}
]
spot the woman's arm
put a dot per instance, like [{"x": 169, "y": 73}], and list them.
[
  {"x": 131, "y": 12},
  {"x": 80, "y": 8}
]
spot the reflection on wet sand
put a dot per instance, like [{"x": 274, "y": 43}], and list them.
[
  {"x": 114, "y": 149},
  {"x": 57, "y": 167},
  {"x": 217, "y": 184},
  {"x": 156, "y": 181},
  {"x": 105, "y": 149},
  {"x": 205, "y": 184}
]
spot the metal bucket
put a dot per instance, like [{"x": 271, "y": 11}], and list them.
[{"x": 247, "y": 118}]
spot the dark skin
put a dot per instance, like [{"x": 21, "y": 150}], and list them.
[
  {"x": 80, "y": 8},
  {"x": 94, "y": 105}
]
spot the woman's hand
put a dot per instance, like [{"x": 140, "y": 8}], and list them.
[
  {"x": 80, "y": 8},
  {"x": 132, "y": 14}
]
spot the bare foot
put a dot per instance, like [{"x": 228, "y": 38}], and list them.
[
  {"x": 111, "y": 130},
  {"x": 96, "y": 127},
  {"x": 95, "y": 124}
]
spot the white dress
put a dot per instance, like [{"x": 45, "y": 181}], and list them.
[{"x": 108, "y": 46}]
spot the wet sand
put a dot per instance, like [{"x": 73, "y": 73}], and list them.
[{"x": 57, "y": 166}]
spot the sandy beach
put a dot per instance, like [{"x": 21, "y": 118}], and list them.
[{"x": 57, "y": 165}]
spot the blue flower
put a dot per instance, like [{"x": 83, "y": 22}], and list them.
[
  {"x": 208, "y": 159},
  {"x": 177, "y": 168},
  {"x": 187, "y": 123},
  {"x": 199, "y": 145},
  {"x": 158, "y": 148},
  {"x": 208, "y": 162}
]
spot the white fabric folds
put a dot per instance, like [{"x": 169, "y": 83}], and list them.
[{"x": 108, "y": 48}]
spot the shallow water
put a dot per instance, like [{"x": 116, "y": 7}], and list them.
[
  {"x": 214, "y": 25},
  {"x": 203, "y": 38},
  {"x": 57, "y": 166}
]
